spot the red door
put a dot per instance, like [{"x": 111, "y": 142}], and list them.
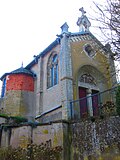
[
  {"x": 95, "y": 102},
  {"x": 83, "y": 102}
]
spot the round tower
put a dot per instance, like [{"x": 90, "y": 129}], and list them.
[{"x": 19, "y": 93}]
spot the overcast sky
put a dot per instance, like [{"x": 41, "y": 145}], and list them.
[{"x": 28, "y": 26}]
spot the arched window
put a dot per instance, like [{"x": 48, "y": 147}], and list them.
[
  {"x": 52, "y": 70},
  {"x": 89, "y": 50}
]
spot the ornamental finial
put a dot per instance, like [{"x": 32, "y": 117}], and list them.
[
  {"x": 82, "y": 11},
  {"x": 22, "y": 65},
  {"x": 83, "y": 21}
]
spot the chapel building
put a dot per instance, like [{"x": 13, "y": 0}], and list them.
[{"x": 74, "y": 66}]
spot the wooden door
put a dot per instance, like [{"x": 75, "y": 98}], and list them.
[{"x": 83, "y": 102}]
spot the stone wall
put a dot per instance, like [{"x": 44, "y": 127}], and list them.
[
  {"x": 52, "y": 95},
  {"x": 2, "y": 103},
  {"x": 25, "y": 134},
  {"x": 99, "y": 140},
  {"x": 20, "y": 136},
  {"x": 45, "y": 98},
  {"x": 84, "y": 140},
  {"x": 100, "y": 63},
  {"x": 19, "y": 103},
  {"x": 53, "y": 115}
]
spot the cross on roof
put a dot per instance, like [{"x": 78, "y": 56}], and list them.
[{"x": 82, "y": 10}]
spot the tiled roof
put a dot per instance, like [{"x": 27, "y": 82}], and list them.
[{"x": 19, "y": 71}]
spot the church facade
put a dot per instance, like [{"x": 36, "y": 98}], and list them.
[{"x": 74, "y": 66}]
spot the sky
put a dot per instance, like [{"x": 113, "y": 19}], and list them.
[{"x": 27, "y": 27}]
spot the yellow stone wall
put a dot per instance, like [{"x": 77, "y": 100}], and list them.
[
  {"x": 79, "y": 59},
  {"x": 12, "y": 100}
]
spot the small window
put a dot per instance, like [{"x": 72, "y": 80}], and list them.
[
  {"x": 89, "y": 50},
  {"x": 52, "y": 71}
]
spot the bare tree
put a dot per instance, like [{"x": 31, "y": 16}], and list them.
[{"x": 108, "y": 16}]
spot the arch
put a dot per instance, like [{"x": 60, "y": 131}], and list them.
[
  {"x": 90, "y": 77},
  {"x": 52, "y": 70},
  {"x": 87, "y": 78},
  {"x": 90, "y": 82}
]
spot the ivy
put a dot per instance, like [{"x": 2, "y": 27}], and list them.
[{"x": 118, "y": 100}]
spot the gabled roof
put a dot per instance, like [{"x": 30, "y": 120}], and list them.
[
  {"x": 77, "y": 34},
  {"x": 57, "y": 41},
  {"x": 26, "y": 70}
]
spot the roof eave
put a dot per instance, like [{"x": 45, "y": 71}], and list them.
[
  {"x": 43, "y": 53},
  {"x": 3, "y": 76}
]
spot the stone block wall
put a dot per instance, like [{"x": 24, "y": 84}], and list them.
[
  {"x": 52, "y": 134},
  {"x": 53, "y": 115},
  {"x": 21, "y": 136},
  {"x": 19, "y": 96},
  {"x": 12, "y": 102},
  {"x": 19, "y": 103},
  {"x": 84, "y": 140},
  {"x": 99, "y": 140}
]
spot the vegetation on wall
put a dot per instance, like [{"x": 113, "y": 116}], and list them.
[
  {"x": 118, "y": 100},
  {"x": 3, "y": 115},
  {"x": 18, "y": 119},
  {"x": 13, "y": 119},
  {"x": 108, "y": 108},
  {"x": 32, "y": 152}
]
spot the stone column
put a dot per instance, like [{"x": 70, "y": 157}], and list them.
[
  {"x": 66, "y": 73},
  {"x": 89, "y": 102}
]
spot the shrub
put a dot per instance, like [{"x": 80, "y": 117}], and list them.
[
  {"x": 32, "y": 152},
  {"x": 118, "y": 100},
  {"x": 108, "y": 108}
]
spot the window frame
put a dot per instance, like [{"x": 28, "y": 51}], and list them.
[{"x": 52, "y": 70}]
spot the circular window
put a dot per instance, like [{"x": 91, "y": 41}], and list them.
[{"x": 89, "y": 50}]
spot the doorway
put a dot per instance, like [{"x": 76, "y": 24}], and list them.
[{"x": 84, "y": 104}]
